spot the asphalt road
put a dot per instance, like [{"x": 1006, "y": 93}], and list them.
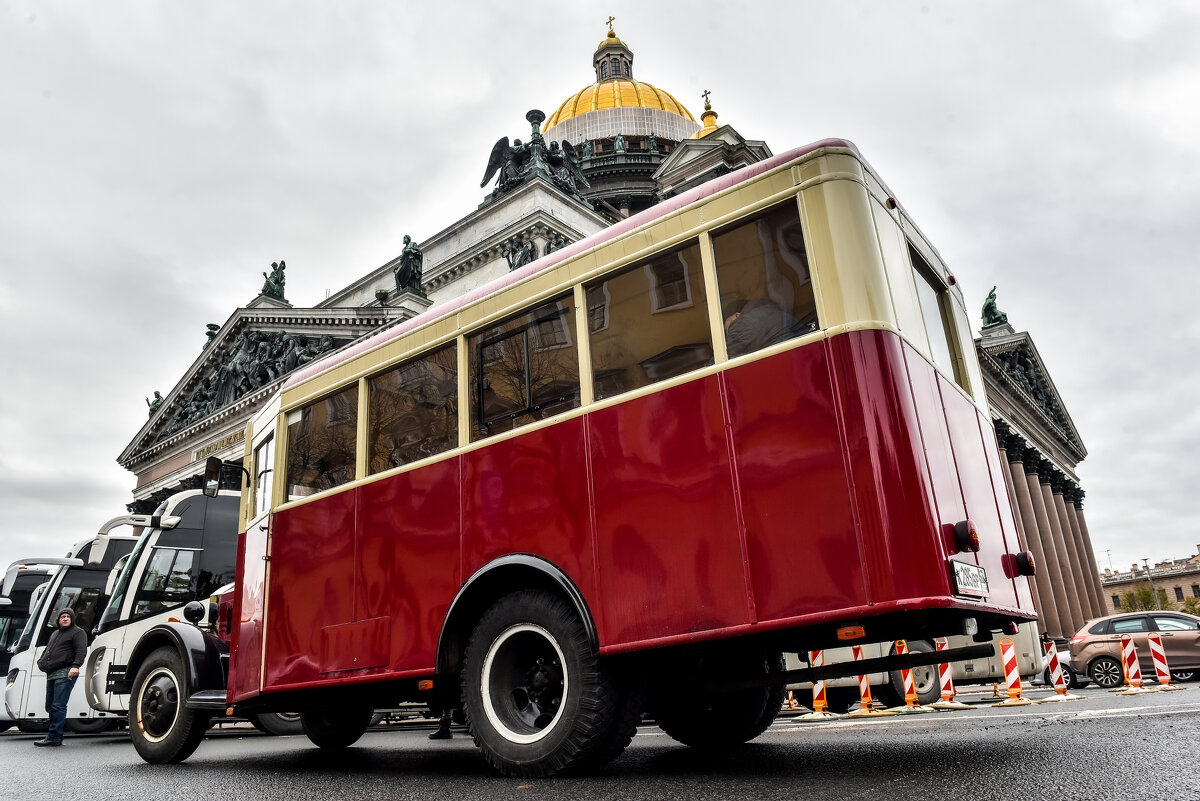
[{"x": 1104, "y": 747}]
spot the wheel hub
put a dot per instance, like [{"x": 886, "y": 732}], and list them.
[{"x": 159, "y": 705}]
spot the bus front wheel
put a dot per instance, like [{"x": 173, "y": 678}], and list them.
[
  {"x": 711, "y": 719},
  {"x": 162, "y": 728},
  {"x": 335, "y": 728},
  {"x": 537, "y": 699}
]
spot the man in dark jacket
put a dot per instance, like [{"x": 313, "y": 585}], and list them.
[{"x": 61, "y": 662}]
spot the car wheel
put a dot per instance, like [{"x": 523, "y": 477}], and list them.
[
  {"x": 1106, "y": 672},
  {"x": 162, "y": 728},
  {"x": 277, "y": 723},
  {"x": 91, "y": 725},
  {"x": 1183, "y": 675},
  {"x": 335, "y": 728},
  {"x": 537, "y": 698}
]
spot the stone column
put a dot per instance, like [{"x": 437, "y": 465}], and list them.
[
  {"x": 1074, "y": 610},
  {"x": 1048, "y": 567},
  {"x": 1079, "y": 566},
  {"x": 1043, "y": 592},
  {"x": 1075, "y": 511}
]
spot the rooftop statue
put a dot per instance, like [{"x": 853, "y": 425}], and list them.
[
  {"x": 519, "y": 162},
  {"x": 273, "y": 285},
  {"x": 991, "y": 314},
  {"x": 211, "y": 332},
  {"x": 408, "y": 270},
  {"x": 154, "y": 404}
]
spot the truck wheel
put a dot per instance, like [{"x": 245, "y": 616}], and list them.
[
  {"x": 335, "y": 728},
  {"x": 925, "y": 678},
  {"x": 712, "y": 720},
  {"x": 537, "y": 700},
  {"x": 91, "y": 725},
  {"x": 1106, "y": 672},
  {"x": 278, "y": 723},
  {"x": 161, "y": 727}
]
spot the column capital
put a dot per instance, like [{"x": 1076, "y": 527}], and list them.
[
  {"x": 1058, "y": 482},
  {"x": 1029, "y": 457},
  {"x": 1045, "y": 469}
]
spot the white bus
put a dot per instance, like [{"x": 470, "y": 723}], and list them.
[
  {"x": 28, "y": 584},
  {"x": 76, "y": 584}
]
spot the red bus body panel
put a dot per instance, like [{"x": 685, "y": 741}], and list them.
[{"x": 818, "y": 484}]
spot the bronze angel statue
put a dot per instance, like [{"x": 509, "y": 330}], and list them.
[
  {"x": 509, "y": 161},
  {"x": 564, "y": 162}
]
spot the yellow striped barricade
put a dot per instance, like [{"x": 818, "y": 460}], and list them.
[
  {"x": 1133, "y": 671},
  {"x": 1056, "y": 677},
  {"x": 910, "y": 690},
  {"x": 865, "y": 709},
  {"x": 1012, "y": 675},
  {"x": 947, "y": 682},
  {"x": 820, "y": 702}
]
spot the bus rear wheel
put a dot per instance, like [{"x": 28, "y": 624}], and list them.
[
  {"x": 91, "y": 725},
  {"x": 335, "y": 728},
  {"x": 537, "y": 699},
  {"x": 162, "y": 728},
  {"x": 711, "y": 719},
  {"x": 278, "y": 723}
]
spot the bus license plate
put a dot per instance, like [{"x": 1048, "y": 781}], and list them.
[{"x": 970, "y": 579}]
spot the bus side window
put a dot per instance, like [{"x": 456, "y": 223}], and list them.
[
  {"x": 523, "y": 369},
  {"x": 413, "y": 411},
  {"x": 649, "y": 322},
  {"x": 168, "y": 581},
  {"x": 764, "y": 280},
  {"x": 321, "y": 444},
  {"x": 938, "y": 322}
]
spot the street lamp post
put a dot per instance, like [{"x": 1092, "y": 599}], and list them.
[{"x": 1153, "y": 590}]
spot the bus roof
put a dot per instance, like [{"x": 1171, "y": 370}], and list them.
[{"x": 662, "y": 209}]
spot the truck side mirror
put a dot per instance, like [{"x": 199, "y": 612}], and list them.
[{"x": 212, "y": 476}]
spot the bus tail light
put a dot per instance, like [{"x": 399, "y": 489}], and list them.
[
  {"x": 966, "y": 536},
  {"x": 1026, "y": 564},
  {"x": 1010, "y": 628}
]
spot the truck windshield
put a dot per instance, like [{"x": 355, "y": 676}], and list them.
[{"x": 112, "y": 613}]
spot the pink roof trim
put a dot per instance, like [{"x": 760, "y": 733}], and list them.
[{"x": 545, "y": 262}]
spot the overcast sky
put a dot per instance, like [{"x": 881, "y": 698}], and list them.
[{"x": 157, "y": 157}]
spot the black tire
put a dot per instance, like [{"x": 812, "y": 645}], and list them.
[
  {"x": 1106, "y": 672},
  {"x": 33, "y": 726},
  {"x": 537, "y": 700},
  {"x": 840, "y": 699},
  {"x": 91, "y": 725},
  {"x": 277, "y": 723},
  {"x": 925, "y": 678},
  {"x": 163, "y": 730},
  {"x": 377, "y": 717},
  {"x": 1183, "y": 675},
  {"x": 713, "y": 720},
  {"x": 5, "y": 725},
  {"x": 335, "y": 728}
]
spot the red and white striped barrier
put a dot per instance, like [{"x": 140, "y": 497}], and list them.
[
  {"x": 1056, "y": 677},
  {"x": 947, "y": 682},
  {"x": 910, "y": 688},
  {"x": 1162, "y": 670},
  {"x": 790, "y": 703},
  {"x": 1133, "y": 670},
  {"x": 820, "y": 702},
  {"x": 1012, "y": 675},
  {"x": 864, "y": 692}
]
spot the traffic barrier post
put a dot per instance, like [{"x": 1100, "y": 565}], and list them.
[
  {"x": 1056, "y": 677},
  {"x": 865, "y": 708},
  {"x": 1012, "y": 675},
  {"x": 947, "y": 681},
  {"x": 1133, "y": 671},
  {"x": 910, "y": 690},
  {"x": 791, "y": 701},
  {"x": 820, "y": 702},
  {"x": 1162, "y": 670}
]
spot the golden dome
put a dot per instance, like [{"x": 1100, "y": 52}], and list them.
[
  {"x": 709, "y": 120},
  {"x": 610, "y": 39},
  {"x": 616, "y": 93}
]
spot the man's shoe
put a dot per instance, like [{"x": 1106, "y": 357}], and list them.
[
  {"x": 40, "y": 743},
  {"x": 441, "y": 734}
]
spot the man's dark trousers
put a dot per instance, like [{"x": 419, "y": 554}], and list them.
[{"x": 58, "y": 692}]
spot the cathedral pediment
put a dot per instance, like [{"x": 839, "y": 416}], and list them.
[
  {"x": 1012, "y": 363},
  {"x": 694, "y": 161},
  {"x": 239, "y": 367}
]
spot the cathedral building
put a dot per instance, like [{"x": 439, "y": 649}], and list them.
[{"x": 615, "y": 147}]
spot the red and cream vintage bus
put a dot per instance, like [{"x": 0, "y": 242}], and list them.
[{"x": 628, "y": 476}]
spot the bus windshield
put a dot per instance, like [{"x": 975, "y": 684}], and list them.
[
  {"x": 112, "y": 612},
  {"x": 35, "y": 614}
]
